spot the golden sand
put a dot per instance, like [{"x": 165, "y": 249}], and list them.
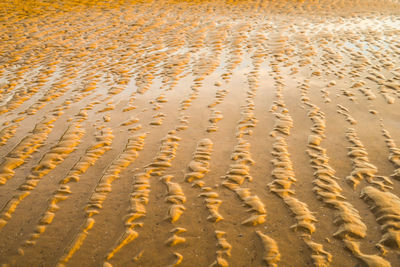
[{"x": 200, "y": 133}]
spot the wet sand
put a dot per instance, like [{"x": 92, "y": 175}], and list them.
[{"x": 200, "y": 133}]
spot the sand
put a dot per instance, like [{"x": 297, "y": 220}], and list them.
[{"x": 200, "y": 133}]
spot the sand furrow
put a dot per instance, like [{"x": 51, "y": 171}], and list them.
[
  {"x": 103, "y": 187},
  {"x": 93, "y": 153},
  {"x": 377, "y": 193},
  {"x": 25, "y": 148},
  {"x": 347, "y": 217},
  {"x": 199, "y": 74},
  {"x": 283, "y": 173},
  {"x": 239, "y": 170},
  {"x": 30, "y": 144},
  {"x": 140, "y": 194},
  {"x": 67, "y": 144}
]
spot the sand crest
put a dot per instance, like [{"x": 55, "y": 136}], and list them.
[{"x": 199, "y": 133}]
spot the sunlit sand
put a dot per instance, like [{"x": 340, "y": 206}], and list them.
[{"x": 200, "y": 133}]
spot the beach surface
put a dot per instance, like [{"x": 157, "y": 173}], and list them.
[{"x": 200, "y": 133}]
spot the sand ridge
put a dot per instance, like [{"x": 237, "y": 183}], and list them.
[{"x": 199, "y": 133}]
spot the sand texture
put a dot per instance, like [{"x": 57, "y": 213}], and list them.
[{"x": 200, "y": 133}]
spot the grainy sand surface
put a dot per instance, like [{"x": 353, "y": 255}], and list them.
[{"x": 200, "y": 133}]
